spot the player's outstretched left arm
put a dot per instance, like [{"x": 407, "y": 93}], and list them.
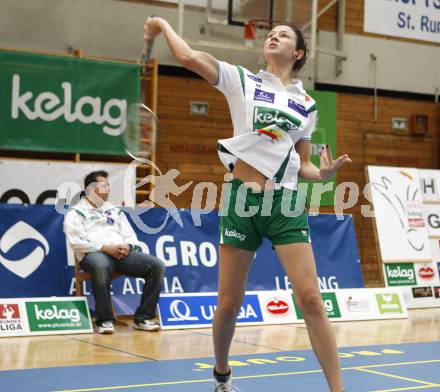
[{"x": 201, "y": 63}]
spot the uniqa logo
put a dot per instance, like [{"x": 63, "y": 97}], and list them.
[
  {"x": 181, "y": 311},
  {"x": 27, "y": 265},
  {"x": 48, "y": 107},
  {"x": 54, "y": 313},
  {"x": 398, "y": 272},
  {"x": 247, "y": 312}
]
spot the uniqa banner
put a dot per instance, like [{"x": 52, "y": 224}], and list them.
[
  {"x": 33, "y": 256},
  {"x": 64, "y": 104}
]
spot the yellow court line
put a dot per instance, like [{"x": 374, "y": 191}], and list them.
[
  {"x": 360, "y": 369},
  {"x": 396, "y": 364},
  {"x": 246, "y": 377},
  {"x": 407, "y": 388},
  {"x": 156, "y": 384}
]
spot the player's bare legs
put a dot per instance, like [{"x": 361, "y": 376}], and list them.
[
  {"x": 233, "y": 271},
  {"x": 299, "y": 263}
]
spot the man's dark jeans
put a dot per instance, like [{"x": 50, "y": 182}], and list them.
[{"x": 136, "y": 264}]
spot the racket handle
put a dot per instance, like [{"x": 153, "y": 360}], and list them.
[
  {"x": 146, "y": 55},
  {"x": 148, "y": 49}
]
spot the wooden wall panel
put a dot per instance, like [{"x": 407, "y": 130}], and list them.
[{"x": 188, "y": 143}]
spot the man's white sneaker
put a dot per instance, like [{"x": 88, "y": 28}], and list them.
[
  {"x": 106, "y": 328},
  {"x": 147, "y": 325}
]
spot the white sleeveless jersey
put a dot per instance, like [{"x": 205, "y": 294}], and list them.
[{"x": 268, "y": 119}]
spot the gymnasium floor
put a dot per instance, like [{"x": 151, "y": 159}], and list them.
[{"x": 392, "y": 355}]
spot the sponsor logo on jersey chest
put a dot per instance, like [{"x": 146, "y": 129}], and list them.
[
  {"x": 297, "y": 107},
  {"x": 268, "y": 117},
  {"x": 265, "y": 96}
]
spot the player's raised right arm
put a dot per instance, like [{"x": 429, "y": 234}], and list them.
[{"x": 201, "y": 63}]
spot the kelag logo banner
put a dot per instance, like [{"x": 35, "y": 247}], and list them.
[
  {"x": 400, "y": 274},
  {"x": 64, "y": 104},
  {"x": 57, "y": 315},
  {"x": 331, "y": 306},
  {"x": 44, "y": 316}
]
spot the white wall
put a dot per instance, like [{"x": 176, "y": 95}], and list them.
[
  {"x": 104, "y": 28},
  {"x": 401, "y": 66},
  {"x": 111, "y": 28}
]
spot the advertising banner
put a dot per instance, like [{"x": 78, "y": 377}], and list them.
[
  {"x": 44, "y": 316},
  {"x": 397, "y": 200},
  {"x": 403, "y": 18},
  {"x": 407, "y": 211},
  {"x": 64, "y": 104},
  {"x": 429, "y": 185},
  {"x": 196, "y": 310},
  {"x": 432, "y": 218},
  {"x": 37, "y": 182},
  {"x": 33, "y": 256}
]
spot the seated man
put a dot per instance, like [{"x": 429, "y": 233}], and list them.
[{"x": 104, "y": 242}]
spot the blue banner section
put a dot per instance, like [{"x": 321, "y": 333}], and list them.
[
  {"x": 33, "y": 255},
  {"x": 182, "y": 311},
  {"x": 33, "y": 258},
  {"x": 191, "y": 253}
]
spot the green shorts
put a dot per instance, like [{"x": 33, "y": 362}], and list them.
[{"x": 246, "y": 217}]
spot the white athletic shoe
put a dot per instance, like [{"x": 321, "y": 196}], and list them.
[
  {"x": 225, "y": 386},
  {"x": 106, "y": 328},
  {"x": 147, "y": 325}
]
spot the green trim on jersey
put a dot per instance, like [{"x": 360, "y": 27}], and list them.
[
  {"x": 311, "y": 109},
  {"x": 280, "y": 173},
  {"x": 241, "y": 73},
  {"x": 79, "y": 213}
]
